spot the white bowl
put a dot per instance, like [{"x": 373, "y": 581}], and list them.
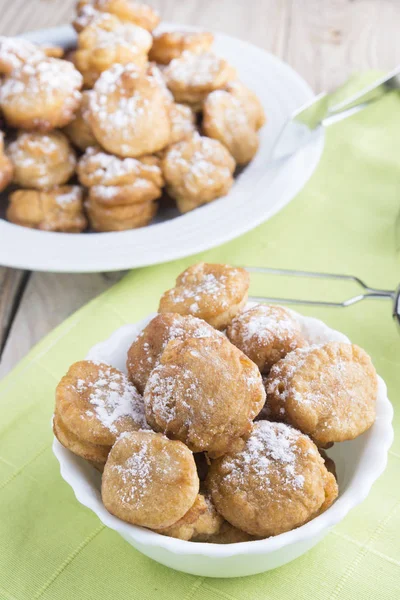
[
  {"x": 259, "y": 192},
  {"x": 359, "y": 463}
]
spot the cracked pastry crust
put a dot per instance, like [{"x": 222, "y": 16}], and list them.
[
  {"x": 128, "y": 114},
  {"x": 149, "y": 480},
  {"x": 197, "y": 170},
  {"x": 56, "y": 209},
  {"x": 213, "y": 292},
  {"x": 204, "y": 392},
  {"x": 41, "y": 160},
  {"x": 275, "y": 481},
  {"x": 327, "y": 391},
  {"x": 41, "y": 96},
  {"x": 172, "y": 44}
]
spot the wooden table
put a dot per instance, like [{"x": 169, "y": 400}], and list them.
[{"x": 324, "y": 40}]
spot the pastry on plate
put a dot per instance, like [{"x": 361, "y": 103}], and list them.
[
  {"x": 198, "y": 524},
  {"x": 171, "y": 44},
  {"x": 149, "y": 480},
  {"x": 275, "y": 481},
  {"x": 130, "y": 11},
  {"x": 212, "y": 292},
  {"x": 78, "y": 130}
]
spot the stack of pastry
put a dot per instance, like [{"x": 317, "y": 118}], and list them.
[
  {"x": 219, "y": 434},
  {"x": 146, "y": 96}
]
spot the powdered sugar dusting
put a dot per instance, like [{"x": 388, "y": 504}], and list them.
[{"x": 195, "y": 70}]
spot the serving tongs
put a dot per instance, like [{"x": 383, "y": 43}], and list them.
[
  {"x": 306, "y": 122},
  {"x": 366, "y": 292}
]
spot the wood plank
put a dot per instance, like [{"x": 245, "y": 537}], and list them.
[
  {"x": 330, "y": 41},
  {"x": 11, "y": 283},
  {"x": 48, "y": 300}
]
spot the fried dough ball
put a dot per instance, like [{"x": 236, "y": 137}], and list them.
[
  {"x": 225, "y": 120},
  {"x": 172, "y": 44},
  {"x": 41, "y": 160},
  {"x": 119, "y": 218},
  {"x": 94, "y": 453},
  {"x": 266, "y": 334},
  {"x": 6, "y": 167},
  {"x": 15, "y": 52},
  {"x": 328, "y": 391},
  {"x": 149, "y": 480},
  {"x": 86, "y": 15},
  {"x": 249, "y": 101},
  {"x": 183, "y": 122},
  {"x": 198, "y": 524},
  {"x": 120, "y": 181},
  {"x": 41, "y": 96},
  {"x": 204, "y": 392},
  {"x": 56, "y": 209},
  {"x": 215, "y": 293},
  {"x": 107, "y": 41},
  {"x": 197, "y": 171},
  {"x": 126, "y": 10},
  {"x": 78, "y": 130},
  {"x": 329, "y": 462},
  {"x": 97, "y": 403},
  {"x": 191, "y": 77},
  {"x": 156, "y": 73},
  {"x": 127, "y": 112},
  {"x": 274, "y": 482},
  {"x": 146, "y": 350}
]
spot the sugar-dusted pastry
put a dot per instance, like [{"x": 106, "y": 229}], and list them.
[
  {"x": 41, "y": 160},
  {"x": 146, "y": 350},
  {"x": 94, "y": 453},
  {"x": 183, "y": 122},
  {"x": 213, "y": 292},
  {"x": 97, "y": 403},
  {"x": 274, "y": 482},
  {"x": 78, "y": 130},
  {"x": 191, "y": 77},
  {"x": 6, "y": 167},
  {"x": 42, "y": 96},
  {"x": 198, "y": 524},
  {"x": 56, "y": 209},
  {"x": 126, "y": 10},
  {"x": 197, "y": 170},
  {"x": 156, "y": 73},
  {"x": 108, "y": 41},
  {"x": 86, "y": 14},
  {"x": 225, "y": 120},
  {"x": 327, "y": 391},
  {"x": 149, "y": 480},
  {"x": 266, "y": 334},
  {"x": 204, "y": 392},
  {"x": 127, "y": 112},
  {"x": 120, "y": 217},
  {"x": 250, "y": 102},
  {"x": 171, "y": 44},
  {"x": 15, "y": 52},
  {"x": 119, "y": 181}
]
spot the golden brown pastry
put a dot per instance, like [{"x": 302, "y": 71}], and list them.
[
  {"x": 126, "y": 10},
  {"x": 146, "y": 350},
  {"x": 328, "y": 391},
  {"x": 215, "y": 293},
  {"x": 94, "y": 453},
  {"x": 197, "y": 170},
  {"x": 78, "y": 130},
  {"x": 149, "y": 480},
  {"x": 42, "y": 96},
  {"x": 41, "y": 160},
  {"x": 97, "y": 403},
  {"x": 274, "y": 482},
  {"x": 127, "y": 112},
  {"x": 191, "y": 77},
  {"x": 266, "y": 334},
  {"x": 225, "y": 120},
  {"x": 121, "y": 217},
  {"x": 56, "y": 209},
  {"x": 15, "y": 52},
  {"x": 6, "y": 167},
  {"x": 249, "y": 101},
  {"x": 183, "y": 122},
  {"x": 108, "y": 41},
  {"x": 171, "y": 44},
  {"x": 198, "y": 524},
  {"x": 204, "y": 392}
]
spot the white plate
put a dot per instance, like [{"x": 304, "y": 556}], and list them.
[
  {"x": 259, "y": 192},
  {"x": 358, "y": 463}
]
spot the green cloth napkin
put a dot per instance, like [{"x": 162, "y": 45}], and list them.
[{"x": 343, "y": 221}]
